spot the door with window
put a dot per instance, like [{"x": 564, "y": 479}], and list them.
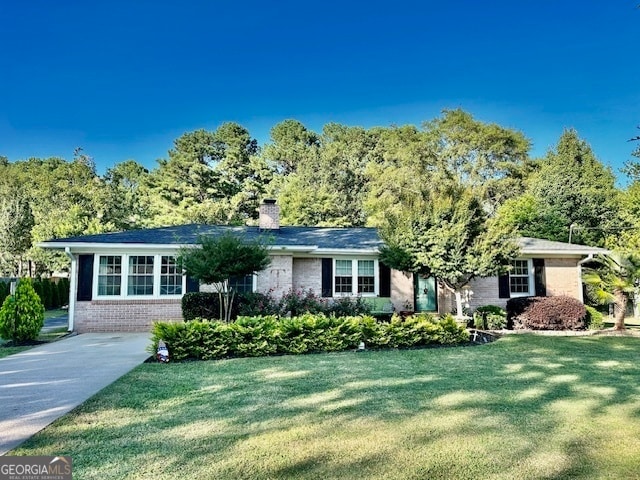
[{"x": 426, "y": 294}]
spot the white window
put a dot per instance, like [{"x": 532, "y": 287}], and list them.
[
  {"x": 355, "y": 277},
  {"x": 521, "y": 278},
  {"x": 109, "y": 275},
  {"x": 140, "y": 280},
  {"x": 170, "y": 276},
  {"x": 147, "y": 276}
]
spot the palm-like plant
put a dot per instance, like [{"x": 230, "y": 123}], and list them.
[{"x": 614, "y": 279}]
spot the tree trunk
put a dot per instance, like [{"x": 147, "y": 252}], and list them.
[
  {"x": 620, "y": 309},
  {"x": 459, "y": 312}
]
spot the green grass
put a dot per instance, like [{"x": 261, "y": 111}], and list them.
[
  {"x": 524, "y": 407},
  {"x": 7, "y": 348}
]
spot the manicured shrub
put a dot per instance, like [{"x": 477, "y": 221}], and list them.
[
  {"x": 348, "y": 307},
  {"x": 297, "y": 302},
  {"x": 47, "y": 299},
  {"x": 204, "y": 305},
  {"x": 595, "y": 319},
  {"x": 490, "y": 317},
  {"x": 256, "y": 336},
  {"x": 547, "y": 313},
  {"x": 55, "y": 294},
  {"x": 22, "y": 314},
  {"x": 257, "y": 304}
]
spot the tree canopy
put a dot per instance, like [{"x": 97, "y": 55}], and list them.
[
  {"x": 215, "y": 260},
  {"x": 341, "y": 176}
]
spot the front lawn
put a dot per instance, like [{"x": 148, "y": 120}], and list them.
[
  {"x": 523, "y": 407},
  {"x": 8, "y": 348}
]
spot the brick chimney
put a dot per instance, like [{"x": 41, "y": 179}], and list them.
[{"x": 269, "y": 215}]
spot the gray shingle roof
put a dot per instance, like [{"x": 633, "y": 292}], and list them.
[
  {"x": 330, "y": 238},
  {"x": 318, "y": 237},
  {"x": 537, "y": 245}
]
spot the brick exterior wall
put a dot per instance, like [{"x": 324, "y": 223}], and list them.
[
  {"x": 269, "y": 216},
  {"x": 277, "y": 277},
  {"x": 562, "y": 277},
  {"x": 482, "y": 291},
  {"x": 401, "y": 290},
  {"x": 124, "y": 316},
  {"x": 307, "y": 274}
]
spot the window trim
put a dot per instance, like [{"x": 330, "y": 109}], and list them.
[
  {"x": 530, "y": 279},
  {"x": 254, "y": 282},
  {"x": 124, "y": 277},
  {"x": 354, "y": 277}
]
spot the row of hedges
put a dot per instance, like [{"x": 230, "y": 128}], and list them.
[
  {"x": 308, "y": 333},
  {"x": 294, "y": 303},
  {"x": 53, "y": 294}
]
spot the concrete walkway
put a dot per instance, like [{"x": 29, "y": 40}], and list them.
[{"x": 42, "y": 384}]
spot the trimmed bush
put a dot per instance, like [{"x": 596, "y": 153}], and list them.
[
  {"x": 22, "y": 314},
  {"x": 595, "y": 319},
  {"x": 257, "y": 336},
  {"x": 490, "y": 317},
  {"x": 297, "y": 302},
  {"x": 256, "y": 304},
  {"x": 547, "y": 313},
  {"x": 204, "y": 305},
  {"x": 348, "y": 307},
  {"x": 294, "y": 303}
]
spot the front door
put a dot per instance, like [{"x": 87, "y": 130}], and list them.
[{"x": 426, "y": 295}]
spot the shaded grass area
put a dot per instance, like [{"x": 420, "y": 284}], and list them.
[
  {"x": 8, "y": 348},
  {"x": 524, "y": 407}
]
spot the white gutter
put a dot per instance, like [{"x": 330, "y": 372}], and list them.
[
  {"x": 72, "y": 288},
  {"x": 580, "y": 263}
]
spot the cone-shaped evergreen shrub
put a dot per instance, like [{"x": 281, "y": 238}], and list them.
[{"x": 22, "y": 314}]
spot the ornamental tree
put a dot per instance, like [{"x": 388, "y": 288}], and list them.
[
  {"x": 22, "y": 314},
  {"x": 214, "y": 260},
  {"x": 447, "y": 235},
  {"x": 613, "y": 279}
]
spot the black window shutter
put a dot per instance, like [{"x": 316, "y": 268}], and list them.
[
  {"x": 504, "y": 289},
  {"x": 85, "y": 278},
  {"x": 193, "y": 284},
  {"x": 539, "y": 277},
  {"x": 385, "y": 280},
  {"x": 327, "y": 277}
]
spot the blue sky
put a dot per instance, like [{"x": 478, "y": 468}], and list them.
[{"x": 123, "y": 79}]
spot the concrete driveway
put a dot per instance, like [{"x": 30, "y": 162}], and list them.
[{"x": 41, "y": 384}]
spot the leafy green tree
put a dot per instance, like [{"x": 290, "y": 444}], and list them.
[
  {"x": 22, "y": 314},
  {"x": 626, "y": 239},
  {"x": 214, "y": 260},
  {"x": 574, "y": 188},
  {"x": 446, "y": 234},
  {"x": 528, "y": 216},
  {"x": 124, "y": 190},
  {"x": 613, "y": 279},
  {"x": 330, "y": 189},
  {"x": 491, "y": 159},
  {"x": 291, "y": 144},
  {"x": 210, "y": 177},
  {"x": 16, "y": 222}
]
